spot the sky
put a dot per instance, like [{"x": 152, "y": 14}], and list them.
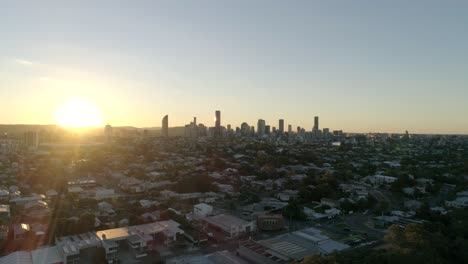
[{"x": 362, "y": 66}]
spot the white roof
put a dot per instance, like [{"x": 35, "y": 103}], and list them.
[
  {"x": 4, "y": 208},
  {"x": 203, "y": 205},
  {"x": 169, "y": 226},
  {"x": 113, "y": 234},
  {"x": 46, "y": 255},
  {"x": 329, "y": 246},
  {"x": 18, "y": 257},
  {"x": 51, "y": 192},
  {"x": 225, "y": 222}
]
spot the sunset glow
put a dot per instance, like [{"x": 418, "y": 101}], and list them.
[{"x": 78, "y": 113}]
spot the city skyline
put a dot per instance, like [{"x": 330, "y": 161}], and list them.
[{"x": 355, "y": 66}]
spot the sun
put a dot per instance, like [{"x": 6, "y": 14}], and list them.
[{"x": 78, "y": 113}]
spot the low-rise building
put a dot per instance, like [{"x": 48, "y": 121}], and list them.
[
  {"x": 289, "y": 247},
  {"x": 202, "y": 210},
  {"x": 269, "y": 222},
  {"x": 218, "y": 257},
  {"x": 459, "y": 202},
  {"x": 228, "y": 226}
]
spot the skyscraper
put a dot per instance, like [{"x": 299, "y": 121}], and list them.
[
  {"x": 267, "y": 130},
  {"x": 289, "y": 129},
  {"x": 31, "y": 139},
  {"x": 316, "y": 124},
  {"x": 165, "y": 126},
  {"x": 281, "y": 126},
  {"x": 261, "y": 127},
  {"x": 218, "y": 123},
  {"x": 245, "y": 129},
  {"x": 108, "y": 132}
]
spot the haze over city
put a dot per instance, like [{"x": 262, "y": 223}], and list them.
[
  {"x": 233, "y": 132},
  {"x": 362, "y": 66}
]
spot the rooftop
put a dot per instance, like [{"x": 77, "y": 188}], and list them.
[
  {"x": 113, "y": 234},
  {"x": 19, "y": 257},
  {"x": 225, "y": 221},
  {"x": 46, "y": 255}
]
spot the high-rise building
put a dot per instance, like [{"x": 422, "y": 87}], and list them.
[
  {"x": 338, "y": 133},
  {"x": 108, "y": 133},
  {"x": 289, "y": 129},
  {"x": 261, "y": 127},
  {"x": 316, "y": 124},
  {"x": 31, "y": 139},
  {"x": 245, "y": 129},
  {"x": 165, "y": 126},
  {"x": 267, "y": 130},
  {"x": 281, "y": 126},
  {"x": 202, "y": 130},
  {"x": 326, "y": 132},
  {"x": 218, "y": 123},
  {"x": 273, "y": 129}
]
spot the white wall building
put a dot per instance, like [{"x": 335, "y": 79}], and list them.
[{"x": 202, "y": 210}]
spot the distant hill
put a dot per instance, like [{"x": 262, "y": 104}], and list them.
[{"x": 20, "y": 129}]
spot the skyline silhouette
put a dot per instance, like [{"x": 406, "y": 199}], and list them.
[{"x": 361, "y": 66}]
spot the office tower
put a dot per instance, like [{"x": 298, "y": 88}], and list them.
[
  {"x": 289, "y": 129},
  {"x": 298, "y": 129},
  {"x": 202, "y": 130},
  {"x": 316, "y": 124},
  {"x": 273, "y": 129},
  {"x": 245, "y": 129},
  {"x": 192, "y": 130},
  {"x": 188, "y": 130},
  {"x": 252, "y": 131},
  {"x": 338, "y": 133},
  {"x": 218, "y": 123},
  {"x": 281, "y": 125},
  {"x": 31, "y": 139},
  {"x": 165, "y": 126},
  {"x": 406, "y": 136},
  {"x": 261, "y": 127},
  {"x": 326, "y": 132},
  {"x": 108, "y": 133},
  {"x": 267, "y": 130},
  {"x": 228, "y": 128}
]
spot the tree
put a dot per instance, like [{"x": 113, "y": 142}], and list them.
[
  {"x": 86, "y": 223},
  {"x": 317, "y": 259},
  {"x": 394, "y": 234},
  {"x": 294, "y": 211}
]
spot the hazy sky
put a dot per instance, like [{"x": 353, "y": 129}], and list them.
[{"x": 360, "y": 65}]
